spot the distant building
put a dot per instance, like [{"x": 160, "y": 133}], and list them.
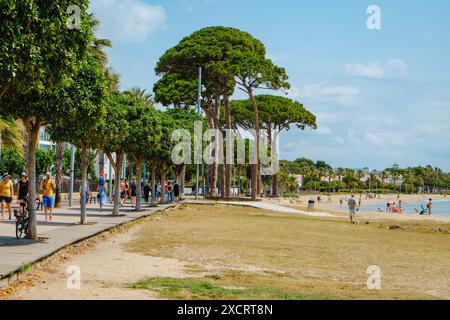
[
  {"x": 108, "y": 174},
  {"x": 44, "y": 140}
]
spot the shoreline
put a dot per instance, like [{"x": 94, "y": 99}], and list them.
[{"x": 331, "y": 204}]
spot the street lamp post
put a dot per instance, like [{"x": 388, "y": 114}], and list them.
[
  {"x": 72, "y": 173},
  {"x": 199, "y": 101}
]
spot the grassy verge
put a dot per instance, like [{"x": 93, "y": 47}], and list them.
[{"x": 237, "y": 285}]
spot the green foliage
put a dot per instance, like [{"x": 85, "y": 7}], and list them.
[
  {"x": 225, "y": 54},
  {"x": 10, "y": 135},
  {"x": 145, "y": 132},
  {"x": 37, "y": 49},
  {"x": 77, "y": 172},
  {"x": 274, "y": 112},
  {"x": 11, "y": 161},
  {"x": 171, "y": 90},
  {"x": 44, "y": 161},
  {"x": 114, "y": 129},
  {"x": 81, "y": 102}
]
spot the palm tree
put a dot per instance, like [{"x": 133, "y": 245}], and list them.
[
  {"x": 383, "y": 176},
  {"x": 340, "y": 173},
  {"x": 98, "y": 46},
  {"x": 10, "y": 136},
  {"x": 140, "y": 94},
  {"x": 113, "y": 80},
  {"x": 373, "y": 178}
]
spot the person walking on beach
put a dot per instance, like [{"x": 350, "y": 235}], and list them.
[
  {"x": 6, "y": 194},
  {"x": 48, "y": 185},
  {"x": 352, "y": 206},
  {"x": 430, "y": 206},
  {"x": 341, "y": 201}
]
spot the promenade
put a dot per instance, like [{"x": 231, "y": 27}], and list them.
[{"x": 63, "y": 230}]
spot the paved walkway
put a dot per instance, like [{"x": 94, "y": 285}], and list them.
[
  {"x": 62, "y": 231},
  {"x": 267, "y": 206}
]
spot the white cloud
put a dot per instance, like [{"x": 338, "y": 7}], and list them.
[
  {"x": 392, "y": 68},
  {"x": 343, "y": 94},
  {"x": 275, "y": 57},
  {"x": 128, "y": 20},
  {"x": 372, "y": 70},
  {"x": 193, "y": 4},
  {"x": 323, "y": 130},
  {"x": 373, "y": 139}
]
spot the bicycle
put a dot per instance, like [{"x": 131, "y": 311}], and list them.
[{"x": 21, "y": 220}]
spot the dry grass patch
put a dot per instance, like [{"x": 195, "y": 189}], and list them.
[{"x": 329, "y": 253}]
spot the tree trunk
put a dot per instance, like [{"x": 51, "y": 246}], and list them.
[
  {"x": 138, "y": 163},
  {"x": 101, "y": 162},
  {"x": 214, "y": 166},
  {"x": 32, "y": 132},
  {"x": 163, "y": 182},
  {"x": 274, "y": 156},
  {"x": 255, "y": 167},
  {"x": 58, "y": 168},
  {"x": 238, "y": 180},
  {"x": 154, "y": 187},
  {"x": 182, "y": 181},
  {"x": 84, "y": 169},
  {"x": 221, "y": 168},
  {"x": 229, "y": 149},
  {"x": 26, "y": 141},
  {"x": 117, "y": 170}
]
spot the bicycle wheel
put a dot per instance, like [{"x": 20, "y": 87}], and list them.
[
  {"x": 19, "y": 229},
  {"x": 25, "y": 227}
]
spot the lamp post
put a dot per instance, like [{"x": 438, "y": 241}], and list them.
[
  {"x": 199, "y": 101},
  {"x": 72, "y": 173}
]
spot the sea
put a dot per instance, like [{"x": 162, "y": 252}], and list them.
[{"x": 440, "y": 207}]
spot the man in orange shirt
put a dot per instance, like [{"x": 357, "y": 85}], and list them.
[{"x": 48, "y": 185}]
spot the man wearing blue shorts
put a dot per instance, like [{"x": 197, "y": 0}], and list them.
[{"x": 48, "y": 185}]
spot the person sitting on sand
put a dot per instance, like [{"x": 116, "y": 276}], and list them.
[{"x": 396, "y": 210}]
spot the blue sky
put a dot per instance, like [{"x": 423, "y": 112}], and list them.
[{"x": 381, "y": 96}]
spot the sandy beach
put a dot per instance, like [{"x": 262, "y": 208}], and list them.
[{"x": 330, "y": 203}]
